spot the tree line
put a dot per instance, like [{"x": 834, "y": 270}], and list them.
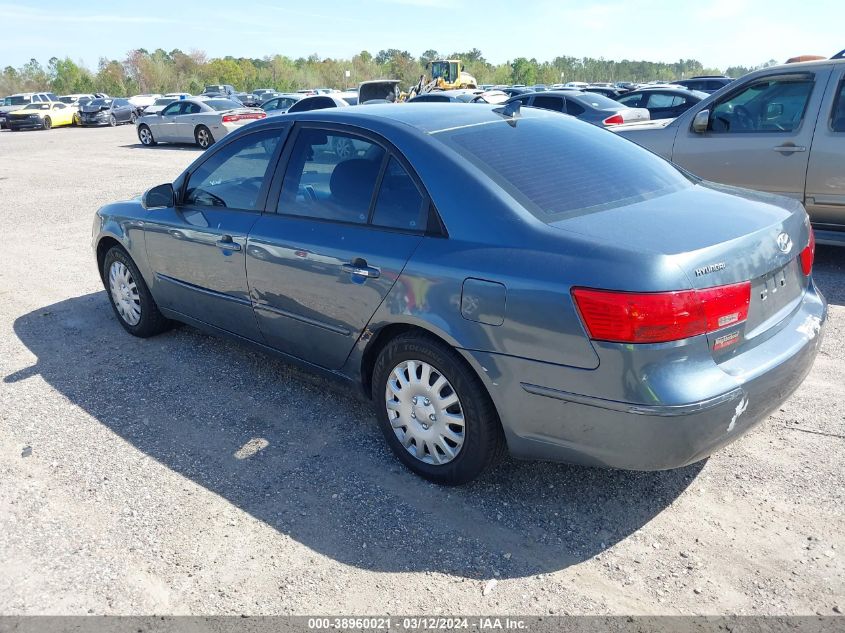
[{"x": 160, "y": 71}]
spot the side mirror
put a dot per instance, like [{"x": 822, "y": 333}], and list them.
[
  {"x": 701, "y": 122},
  {"x": 159, "y": 197}
]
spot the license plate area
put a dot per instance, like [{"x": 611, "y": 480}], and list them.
[{"x": 773, "y": 292}]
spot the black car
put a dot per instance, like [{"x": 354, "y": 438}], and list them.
[
  {"x": 610, "y": 93},
  {"x": 107, "y": 112},
  {"x": 664, "y": 102},
  {"x": 706, "y": 84},
  {"x": 248, "y": 99},
  {"x": 511, "y": 91}
]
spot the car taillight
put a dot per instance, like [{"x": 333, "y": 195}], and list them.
[
  {"x": 231, "y": 118},
  {"x": 809, "y": 254},
  {"x": 616, "y": 119},
  {"x": 657, "y": 317}
]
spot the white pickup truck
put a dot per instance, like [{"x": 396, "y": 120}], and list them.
[{"x": 780, "y": 130}]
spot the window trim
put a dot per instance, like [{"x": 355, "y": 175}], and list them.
[
  {"x": 272, "y": 166},
  {"x": 433, "y": 229},
  {"x": 712, "y": 105},
  {"x": 838, "y": 98}
]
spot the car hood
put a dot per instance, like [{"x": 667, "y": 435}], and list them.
[
  {"x": 702, "y": 225},
  {"x": 26, "y": 113},
  {"x": 656, "y": 124},
  {"x": 92, "y": 108},
  {"x": 11, "y": 108}
]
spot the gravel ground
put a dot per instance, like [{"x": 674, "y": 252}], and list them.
[{"x": 185, "y": 474}]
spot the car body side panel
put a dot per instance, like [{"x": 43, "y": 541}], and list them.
[{"x": 825, "y": 192}]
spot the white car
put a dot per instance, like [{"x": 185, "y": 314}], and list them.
[
  {"x": 178, "y": 95},
  {"x": 159, "y": 105},
  {"x": 142, "y": 101},
  {"x": 196, "y": 120}
]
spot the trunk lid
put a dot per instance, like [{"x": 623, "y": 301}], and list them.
[
  {"x": 633, "y": 115},
  {"x": 718, "y": 235}
]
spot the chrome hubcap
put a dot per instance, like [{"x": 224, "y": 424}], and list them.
[
  {"x": 203, "y": 138},
  {"x": 425, "y": 412},
  {"x": 124, "y": 293},
  {"x": 145, "y": 136}
]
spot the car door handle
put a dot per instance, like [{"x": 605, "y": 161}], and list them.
[
  {"x": 360, "y": 269},
  {"x": 227, "y": 244},
  {"x": 788, "y": 149}
]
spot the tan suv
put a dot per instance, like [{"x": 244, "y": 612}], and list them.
[{"x": 780, "y": 130}]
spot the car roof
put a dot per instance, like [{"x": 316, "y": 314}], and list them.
[{"x": 425, "y": 117}]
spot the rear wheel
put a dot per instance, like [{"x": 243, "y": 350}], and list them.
[
  {"x": 132, "y": 118},
  {"x": 129, "y": 296},
  {"x": 434, "y": 412},
  {"x": 145, "y": 135},
  {"x": 76, "y": 120},
  {"x": 203, "y": 137},
  {"x": 48, "y": 123}
]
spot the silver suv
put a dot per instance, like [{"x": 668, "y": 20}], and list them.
[{"x": 780, "y": 130}]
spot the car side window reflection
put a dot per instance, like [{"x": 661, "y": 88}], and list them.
[
  {"x": 233, "y": 177},
  {"x": 399, "y": 205},
  {"x": 172, "y": 109},
  {"x": 773, "y": 104},
  {"x": 331, "y": 176}
]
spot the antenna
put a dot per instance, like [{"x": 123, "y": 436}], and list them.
[{"x": 511, "y": 110}]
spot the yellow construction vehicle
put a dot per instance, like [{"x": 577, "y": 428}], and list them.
[{"x": 446, "y": 74}]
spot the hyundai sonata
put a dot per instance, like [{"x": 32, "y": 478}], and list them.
[{"x": 492, "y": 279}]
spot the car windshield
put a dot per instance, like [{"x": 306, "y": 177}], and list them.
[
  {"x": 600, "y": 102},
  {"x": 222, "y": 104},
  {"x": 16, "y": 100},
  {"x": 38, "y": 106},
  {"x": 558, "y": 167}
]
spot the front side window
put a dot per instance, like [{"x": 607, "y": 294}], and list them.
[
  {"x": 549, "y": 103},
  {"x": 233, "y": 177},
  {"x": 632, "y": 101},
  {"x": 331, "y": 176},
  {"x": 837, "y": 119},
  {"x": 774, "y": 104},
  {"x": 172, "y": 109}
]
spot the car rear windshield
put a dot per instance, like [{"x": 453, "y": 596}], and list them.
[
  {"x": 600, "y": 102},
  {"x": 223, "y": 104},
  {"x": 100, "y": 102},
  {"x": 16, "y": 100},
  {"x": 558, "y": 167}
]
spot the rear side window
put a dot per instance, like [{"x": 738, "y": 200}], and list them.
[
  {"x": 574, "y": 108},
  {"x": 331, "y": 176},
  {"x": 558, "y": 168},
  {"x": 837, "y": 119},
  {"x": 233, "y": 177},
  {"x": 663, "y": 100},
  {"x": 399, "y": 204}
]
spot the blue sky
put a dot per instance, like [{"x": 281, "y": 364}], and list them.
[{"x": 716, "y": 32}]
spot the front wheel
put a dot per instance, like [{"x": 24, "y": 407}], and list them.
[
  {"x": 203, "y": 137},
  {"x": 434, "y": 411},
  {"x": 112, "y": 121},
  {"x": 145, "y": 135},
  {"x": 48, "y": 123},
  {"x": 130, "y": 297}
]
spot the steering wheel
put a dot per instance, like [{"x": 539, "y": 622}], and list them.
[{"x": 743, "y": 118}]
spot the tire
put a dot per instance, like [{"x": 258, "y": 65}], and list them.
[
  {"x": 77, "y": 121},
  {"x": 48, "y": 123},
  {"x": 421, "y": 417},
  {"x": 112, "y": 121},
  {"x": 144, "y": 132},
  {"x": 149, "y": 321},
  {"x": 203, "y": 137},
  {"x": 132, "y": 118}
]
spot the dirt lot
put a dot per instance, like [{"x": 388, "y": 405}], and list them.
[{"x": 185, "y": 474}]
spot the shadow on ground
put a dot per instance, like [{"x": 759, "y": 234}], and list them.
[
  {"x": 184, "y": 147},
  {"x": 322, "y": 473},
  {"x": 829, "y": 273}
]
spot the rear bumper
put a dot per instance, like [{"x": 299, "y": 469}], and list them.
[{"x": 548, "y": 421}]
